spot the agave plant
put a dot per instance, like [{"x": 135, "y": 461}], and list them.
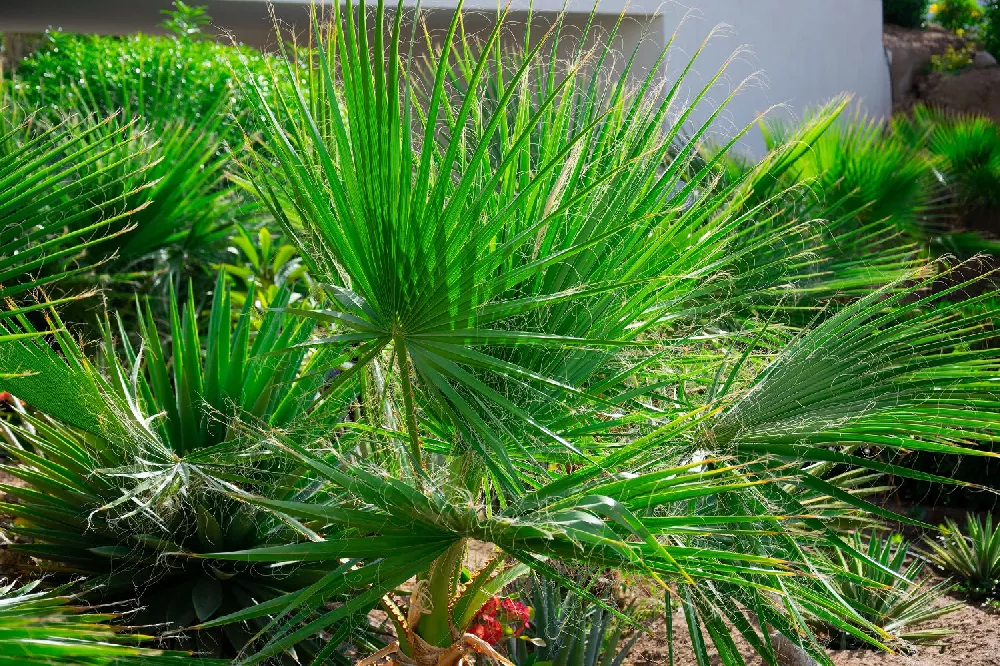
[
  {"x": 900, "y": 603},
  {"x": 973, "y": 555},
  {"x": 44, "y": 627},
  {"x": 138, "y": 470},
  {"x": 509, "y": 244},
  {"x": 567, "y": 632}
]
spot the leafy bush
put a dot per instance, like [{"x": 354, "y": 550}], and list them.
[
  {"x": 989, "y": 34},
  {"x": 973, "y": 556},
  {"x": 266, "y": 266},
  {"x": 178, "y": 77},
  {"x": 953, "y": 60},
  {"x": 957, "y": 15},
  {"x": 905, "y": 13},
  {"x": 900, "y": 604},
  {"x": 865, "y": 173},
  {"x": 868, "y": 192}
]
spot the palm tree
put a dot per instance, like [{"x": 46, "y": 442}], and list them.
[
  {"x": 522, "y": 272},
  {"x": 517, "y": 252}
]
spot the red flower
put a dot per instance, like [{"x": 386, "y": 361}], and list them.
[
  {"x": 488, "y": 628},
  {"x": 498, "y": 618}
]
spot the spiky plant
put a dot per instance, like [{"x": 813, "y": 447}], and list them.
[
  {"x": 138, "y": 470},
  {"x": 973, "y": 555},
  {"x": 568, "y": 632},
  {"x": 965, "y": 151},
  {"x": 47, "y": 222},
  {"x": 900, "y": 602},
  {"x": 46, "y": 628},
  {"x": 509, "y": 243}
]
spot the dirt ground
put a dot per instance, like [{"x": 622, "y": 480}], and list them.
[{"x": 975, "y": 642}]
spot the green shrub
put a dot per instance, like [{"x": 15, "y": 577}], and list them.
[
  {"x": 989, "y": 34},
  {"x": 905, "y": 13},
  {"x": 973, "y": 556},
  {"x": 958, "y": 16},
  {"x": 953, "y": 60},
  {"x": 867, "y": 190},
  {"x": 177, "y": 77},
  {"x": 264, "y": 265}
]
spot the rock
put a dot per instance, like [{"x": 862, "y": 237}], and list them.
[
  {"x": 910, "y": 54},
  {"x": 788, "y": 653},
  {"x": 974, "y": 90},
  {"x": 984, "y": 59}
]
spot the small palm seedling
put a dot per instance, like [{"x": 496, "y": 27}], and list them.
[
  {"x": 973, "y": 555},
  {"x": 890, "y": 593},
  {"x": 136, "y": 471},
  {"x": 44, "y": 628}
]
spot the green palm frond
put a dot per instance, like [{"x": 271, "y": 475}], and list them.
[
  {"x": 515, "y": 248},
  {"x": 45, "y": 627},
  {"x": 48, "y": 223}
]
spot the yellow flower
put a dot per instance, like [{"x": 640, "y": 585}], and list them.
[{"x": 934, "y": 8}]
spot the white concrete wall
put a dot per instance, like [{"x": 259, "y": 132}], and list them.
[{"x": 807, "y": 51}]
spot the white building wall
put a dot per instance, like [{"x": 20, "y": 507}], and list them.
[{"x": 806, "y": 51}]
